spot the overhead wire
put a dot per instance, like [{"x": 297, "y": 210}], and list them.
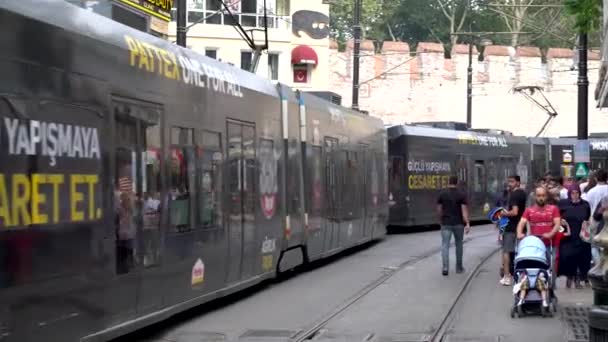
[{"x": 533, "y": 26}]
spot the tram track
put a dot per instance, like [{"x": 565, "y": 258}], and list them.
[{"x": 315, "y": 330}]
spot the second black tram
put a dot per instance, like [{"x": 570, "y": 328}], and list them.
[
  {"x": 139, "y": 179},
  {"x": 422, "y": 158}
]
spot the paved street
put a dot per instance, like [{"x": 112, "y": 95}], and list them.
[
  {"x": 484, "y": 312},
  {"x": 409, "y": 304}
]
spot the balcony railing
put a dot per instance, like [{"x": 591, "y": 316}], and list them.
[{"x": 245, "y": 19}]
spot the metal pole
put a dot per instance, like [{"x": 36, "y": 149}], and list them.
[
  {"x": 470, "y": 86},
  {"x": 356, "y": 53},
  {"x": 181, "y": 23},
  {"x": 583, "y": 88}
]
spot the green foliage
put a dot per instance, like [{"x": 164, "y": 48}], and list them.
[
  {"x": 416, "y": 21},
  {"x": 587, "y": 14}
]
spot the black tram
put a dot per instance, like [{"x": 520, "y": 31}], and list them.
[
  {"x": 139, "y": 179},
  {"x": 423, "y": 158}
]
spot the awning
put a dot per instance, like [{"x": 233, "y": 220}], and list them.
[{"x": 304, "y": 54}]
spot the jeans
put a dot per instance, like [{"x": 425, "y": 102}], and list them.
[{"x": 446, "y": 237}]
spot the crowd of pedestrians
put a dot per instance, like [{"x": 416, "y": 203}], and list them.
[{"x": 568, "y": 212}]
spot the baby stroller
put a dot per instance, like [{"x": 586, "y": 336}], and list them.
[{"x": 534, "y": 274}]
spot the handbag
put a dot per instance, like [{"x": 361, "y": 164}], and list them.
[{"x": 586, "y": 229}]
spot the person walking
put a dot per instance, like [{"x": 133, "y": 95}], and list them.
[
  {"x": 595, "y": 197},
  {"x": 515, "y": 209},
  {"x": 453, "y": 212},
  {"x": 501, "y": 201},
  {"x": 575, "y": 254},
  {"x": 598, "y": 192},
  {"x": 588, "y": 184}
]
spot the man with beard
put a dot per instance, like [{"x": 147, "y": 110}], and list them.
[{"x": 544, "y": 219}]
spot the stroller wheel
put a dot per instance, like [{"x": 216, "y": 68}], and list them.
[
  {"x": 545, "y": 311},
  {"x": 520, "y": 311}
]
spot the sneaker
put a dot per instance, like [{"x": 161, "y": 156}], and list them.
[
  {"x": 506, "y": 281},
  {"x": 545, "y": 304},
  {"x": 460, "y": 270},
  {"x": 444, "y": 272}
]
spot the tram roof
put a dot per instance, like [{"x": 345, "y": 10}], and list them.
[
  {"x": 76, "y": 20},
  {"x": 396, "y": 131}
]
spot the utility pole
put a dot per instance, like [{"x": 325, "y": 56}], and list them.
[
  {"x": 181, "y": 23},
  {"x": 470, "y": 85},
  {"x": 356, "y": 53},
  {"x": 583, "y": 88}
]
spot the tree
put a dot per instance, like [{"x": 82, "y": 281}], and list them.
[
  {"x": 373, "y": 16},
  {"x": 456, "y": 12},
  {"x": 587, "y": 14},
  {"x": 430, "y": 20},
  {"x": 544, "y": 22}
]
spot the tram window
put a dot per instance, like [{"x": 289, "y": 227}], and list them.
[
  {"x": 210, "y": 157},
  {"x": 152, "y": 196},
  {"x": 317, "y": 172},
  {"x": 492, "y": 182},
  {"x": 126, "y": 229},
  {"x": 182, "y": 172},
  {"x": 397, "y": 170},
  {"x": 478, "y": 177}
]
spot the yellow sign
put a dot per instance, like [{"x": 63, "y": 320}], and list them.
[
  {"x": 189, "y": 71},
  {"x": 158, "y": 8},
  {"x": 267, "y": 263},
  {"x": 27, "y": 199},
  {"x": 427, "y": 182}
]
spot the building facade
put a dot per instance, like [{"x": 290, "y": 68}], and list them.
[{"x": 298, "y": 37}]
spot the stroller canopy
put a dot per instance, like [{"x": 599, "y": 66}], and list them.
[{"x": 531, "y": 248}]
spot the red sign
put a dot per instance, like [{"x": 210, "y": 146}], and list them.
[{"x": 300, "y": 76}]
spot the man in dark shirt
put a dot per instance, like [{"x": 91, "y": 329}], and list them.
[
  {"x": 514, "y": 211},
  {"x": 454, "y": 217}
]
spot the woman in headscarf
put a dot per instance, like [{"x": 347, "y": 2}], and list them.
[{"x": 575, "y": 254}]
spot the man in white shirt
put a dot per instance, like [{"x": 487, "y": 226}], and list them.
[{"x": 595, "y": 195}]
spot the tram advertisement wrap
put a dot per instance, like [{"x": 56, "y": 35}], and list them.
[
  {"x": 49, "y": 173},
  {"x": 427, "y": 175}
]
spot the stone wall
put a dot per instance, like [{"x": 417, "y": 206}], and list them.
[{"x": 402, "y": 87}]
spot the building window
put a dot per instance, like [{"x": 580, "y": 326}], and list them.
[
  {"x": 211, "y": 53},
  {"x": 273, "y": 66},
  {"x": 248, "y": 13},
  {"x": 182, "y": 178},
  {"x": 249, "y": 6},
  {"x": 246, "y": 57},
  {"x": 283, "y": 7}
]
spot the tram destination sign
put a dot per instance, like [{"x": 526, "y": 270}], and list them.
[{"x": 158, "y": 8}]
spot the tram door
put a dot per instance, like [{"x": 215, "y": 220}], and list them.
[
  {"x": 332, "y": 225},
  {"x": 241, "y": 206},
  {"x": 137, "y": 188},
  {"x": 365, "y": 194},
  {"x": 479, "y": 188}
]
